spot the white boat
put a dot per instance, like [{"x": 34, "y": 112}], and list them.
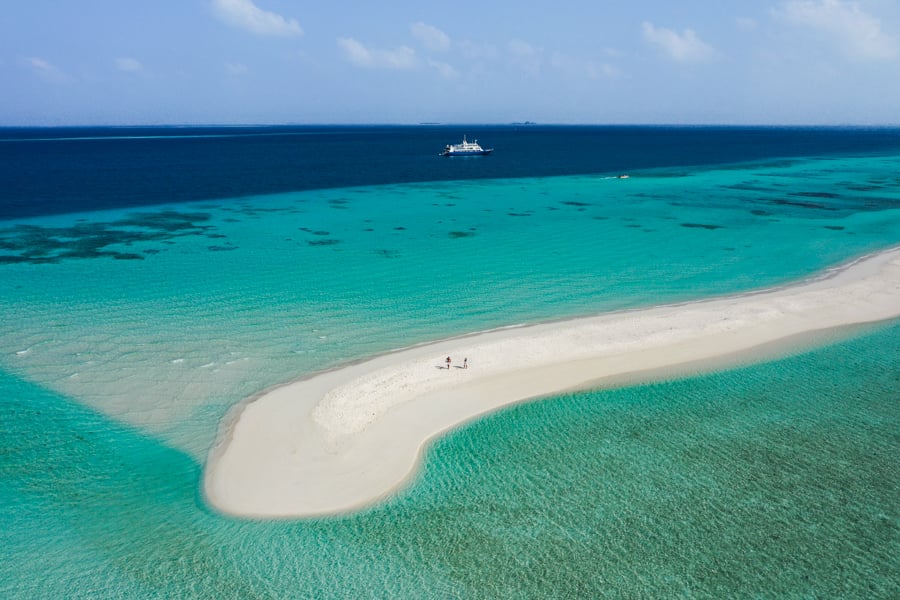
[{"x": 466, "y": 148}]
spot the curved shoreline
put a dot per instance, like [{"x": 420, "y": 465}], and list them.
[{"x": 343, "y": 439}]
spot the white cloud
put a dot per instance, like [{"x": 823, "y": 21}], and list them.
[
  {"x": 356, "y": 53},
  {"x": 522, "y": 49},
  {"x": 244, "y": 14},
  {"x": 40, "y": 65},
  {"x": 398, "y": 58},
  {"x": 128, "y": 65},
  {"x": 856, "y": 32},
  {"x": 46, "y": 71},
  {"x": 444, "y": 70},
  {"x": 602, "y": 71},
  {"x": 431, "y": 37},
  {"x": 564, "y": 62},
  {"x": 236, "y": 69},
  {"x": 686, "y": 47},
  {"x": 374, "y": 58}
]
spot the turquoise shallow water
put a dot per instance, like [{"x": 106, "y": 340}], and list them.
[
  {"x": 769, "y": 481},
  {"x": 126, "y": 336},
  {"x": 231, "y": 297}
]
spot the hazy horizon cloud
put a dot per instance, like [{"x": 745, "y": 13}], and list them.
[
  {"x": 360, "y": 55},
  {"x": 431, "y": 37},
  {"x": 684, "y": 47},
  {"x": 244, "y": 14},
  {"x": 129, "y": 65},
  {"x": 46, "y": 71},
  {"x": 858, "y": 34}
]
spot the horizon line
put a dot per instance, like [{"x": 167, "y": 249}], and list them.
[{"x": 457, "y": 124}]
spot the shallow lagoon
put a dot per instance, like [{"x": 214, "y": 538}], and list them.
[{"x": 126, "y": 335}]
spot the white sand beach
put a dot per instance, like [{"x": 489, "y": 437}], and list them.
[{"x": 344, "y": 439}]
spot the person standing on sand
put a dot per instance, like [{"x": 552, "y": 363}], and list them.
[
  {"x": 465, "y": 363},
  {"x": 448, "y": 363}
]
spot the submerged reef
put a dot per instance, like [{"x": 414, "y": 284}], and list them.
[{"x": 34, "y": 244}]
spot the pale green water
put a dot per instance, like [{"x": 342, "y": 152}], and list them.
[{"x": 774, "y": 480}]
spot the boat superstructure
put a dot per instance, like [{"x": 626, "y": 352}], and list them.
[{"x": 466, "y": 148}]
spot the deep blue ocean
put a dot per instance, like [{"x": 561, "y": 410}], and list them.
[
  {"x": 61, "y": 170},
  {"x": 151, "y": 279}
]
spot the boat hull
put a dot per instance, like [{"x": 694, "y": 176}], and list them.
[{"x": 467, "y": 152}]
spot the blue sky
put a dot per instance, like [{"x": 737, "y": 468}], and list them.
[{"x": 490, "y": 61}]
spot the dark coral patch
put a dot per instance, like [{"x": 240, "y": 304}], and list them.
[
  {"x": 460, "y": 234},
  {"x": 835, "y": 227},
  {"x": 326, "y": 242},
  {"x": 6, "y": 259},
  {"x": 255, "y": 211},
  {"x": 43, "y": 245},
  {"x": 167, "y": 220},
  {"x": 812, "y": 205},
  {"x": 747, "y": 187},
  {"x": 701, "y": 226},
  {"x": 816, "y": 194}
]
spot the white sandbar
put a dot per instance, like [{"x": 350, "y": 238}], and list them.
[{"x": 344, "y": 439}]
